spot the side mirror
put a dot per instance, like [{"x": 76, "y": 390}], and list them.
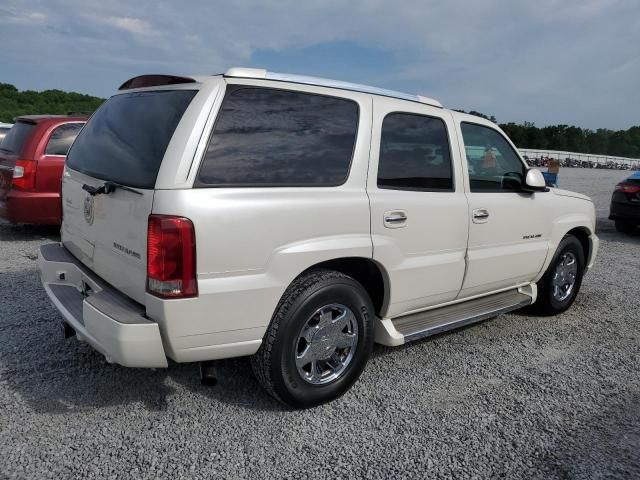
[{"x": 534, "y": 181}]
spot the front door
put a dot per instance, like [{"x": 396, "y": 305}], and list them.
[
  {"x": 509, "y": 229},
  {"x": 419, "y": 213}
]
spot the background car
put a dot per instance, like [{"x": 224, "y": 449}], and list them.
[
  {"x": 625, "y": 204},
  {"x": 31, "y": 161},
  {"x": 4, "y": 129}
]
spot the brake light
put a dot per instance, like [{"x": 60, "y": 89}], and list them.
[
  {"x": 24, "y": 174},
  {"x": 171, "y": 257},
  {"x": 627, "y": 188}
]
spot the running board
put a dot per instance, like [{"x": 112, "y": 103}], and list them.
[{"x": 431, "y": 322}]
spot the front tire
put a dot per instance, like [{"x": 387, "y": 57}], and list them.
[
  {"x": 558, "y": 288},
  {"x": 318, "y": 342}
]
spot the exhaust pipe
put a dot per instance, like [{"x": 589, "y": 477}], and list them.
[{"x": 208, "y": 373}]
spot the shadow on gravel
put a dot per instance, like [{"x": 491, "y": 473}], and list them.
[
  {"x": 61, "y": 376},
  {"x": 606, "y": 230},
  {"x": 236, "y": 385},
  {"x": 70, "y": 377},
  {"x": 10, "y": 232},
  {"x": 604, "y": 442}
]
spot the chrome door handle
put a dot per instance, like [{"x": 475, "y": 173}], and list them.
[
  {"x": 395, "y": 218},
  {"x": 480, "y": 215}
]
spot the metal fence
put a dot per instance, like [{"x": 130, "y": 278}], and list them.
[{"x": 580, "y": 160}]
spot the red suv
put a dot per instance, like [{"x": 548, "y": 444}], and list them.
[{"x": 31, "y": 161}]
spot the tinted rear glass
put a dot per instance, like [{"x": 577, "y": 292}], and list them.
[
  {"x": 268, "y": 137},
  {"x": 125, "y": 140},
  {"x": 414, "y": 153},
  {"x": 62, "y": 138},
  {"x": 16, "y": 138}
]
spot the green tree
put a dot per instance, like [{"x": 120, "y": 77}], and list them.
[{"x": 14, "y": 103}]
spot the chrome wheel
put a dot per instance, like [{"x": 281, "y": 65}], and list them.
[
  {"x": 326, "y": 344},
  {"x": 564, "y": 276}
]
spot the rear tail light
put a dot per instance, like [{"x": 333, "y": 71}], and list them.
[
  {"x": 171, "y": 257},
  {"x": 24, "y": 174},
  {"x": 628, "y": 188}
]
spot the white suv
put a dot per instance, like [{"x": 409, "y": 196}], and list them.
[{"x": 298, "y": 220}]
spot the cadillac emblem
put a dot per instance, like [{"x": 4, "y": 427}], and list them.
[{"x": 88, "y": 210}]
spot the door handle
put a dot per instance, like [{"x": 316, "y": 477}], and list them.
[
  {"x": 480, "y": 215},
  {"x": 395, "y": 218}
]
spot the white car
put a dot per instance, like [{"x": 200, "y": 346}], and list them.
[
  {"x": 299, "y": 220},
  {"x": 4, "y": 129}
]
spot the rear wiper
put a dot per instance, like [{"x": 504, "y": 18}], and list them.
[{"x": 107, "y": 188}]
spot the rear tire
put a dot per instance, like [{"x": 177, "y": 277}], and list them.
[
  {"x": 625, "y": 227},
  {"x": 558, "y": 288},
  {"x": 322, "y": 314}
]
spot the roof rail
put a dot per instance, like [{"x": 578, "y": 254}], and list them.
[
  {"x": 154, "y": 81},
  {"x": 239, "y": 72}
]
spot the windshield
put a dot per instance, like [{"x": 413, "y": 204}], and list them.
[
  {"x": 16, "y": 137},
  {"x": 125, "y": 140}
]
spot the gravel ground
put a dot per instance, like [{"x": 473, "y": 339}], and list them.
[{"x": 517, "y": 397}]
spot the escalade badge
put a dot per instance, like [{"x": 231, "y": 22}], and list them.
[{"x": 88, "y": 210}]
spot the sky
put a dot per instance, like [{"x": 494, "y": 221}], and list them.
[{"x": 573, "y": 62}]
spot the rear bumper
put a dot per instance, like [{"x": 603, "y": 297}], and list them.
[
  {"x": 625, "y": 211},
  {"x": 109, "y": 321},
  {"x": 41, "y": 208}
]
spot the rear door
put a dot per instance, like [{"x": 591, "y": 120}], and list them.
[
  {"x": 11, "y": 148},
  {"x": 419, "y": 213},
  {"x": 124, "y": 142}
]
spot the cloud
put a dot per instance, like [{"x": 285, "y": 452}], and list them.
[
  {"x": 129, "y": 24},
  {"x": 548, "y": 61},
  {"x": 21, "y": 17}
]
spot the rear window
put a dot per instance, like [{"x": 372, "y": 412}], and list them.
[
  {"x": 125, "y": 140},
  {"x": 267, "y": 137},
  {"x": 17, "y": 137},
  {"x": 62, "y": 138}
]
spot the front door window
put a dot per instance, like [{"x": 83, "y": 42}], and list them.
[{"x": 493, "y": 164}]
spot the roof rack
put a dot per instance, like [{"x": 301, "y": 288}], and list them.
[{"x": 240, "y": 72}]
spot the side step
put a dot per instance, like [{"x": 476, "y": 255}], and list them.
[{"x": 432, "y": 322}]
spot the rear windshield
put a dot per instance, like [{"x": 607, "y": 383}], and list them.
[
  {"x": 16, "y": 137},
  {"x": 125, "y": 140}
]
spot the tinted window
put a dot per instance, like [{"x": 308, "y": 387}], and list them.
[
  {"x": 17, "y": 137},
  {"x": 270, "y": 137},
  {"x": 62, "y": 138},
  {"x": 125, "y": 140},
  {"x": 493, "y": 164},
  {"x": 414, "y": 153}
]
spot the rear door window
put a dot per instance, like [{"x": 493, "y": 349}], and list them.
[
  {"x": 126, "y": 138},
  {"x": 61, "y": 138},
  {"x": 414, "y": 154},
  {"x": 17, "y": 137},
  {"x": 269, "y": 137}
]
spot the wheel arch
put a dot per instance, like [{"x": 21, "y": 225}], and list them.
[
  {"x": 370, "y": 274},
  {"x": 582, "y": 234},
  {"x": 578, "y": 225}
]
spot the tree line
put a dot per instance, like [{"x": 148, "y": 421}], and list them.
[
  {"x": 14, "y": 103},
  {"x": 622, "y": 143},
  {"x": 619, "y": 143}
]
